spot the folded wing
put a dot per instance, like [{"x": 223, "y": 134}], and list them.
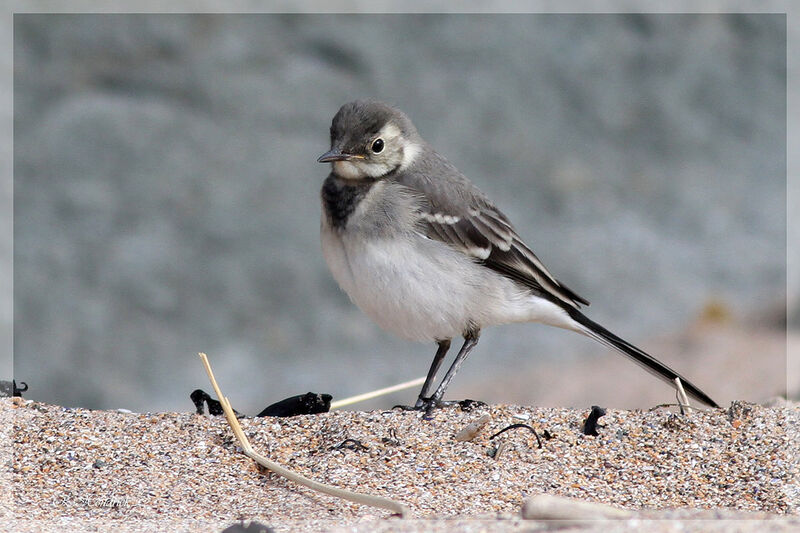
[{"x": 485, "y": 234}]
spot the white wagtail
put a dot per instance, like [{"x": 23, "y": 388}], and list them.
[{"x": 428, "y": 256}]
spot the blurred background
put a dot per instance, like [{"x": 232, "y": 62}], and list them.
[{"x": 166, "y": 200}]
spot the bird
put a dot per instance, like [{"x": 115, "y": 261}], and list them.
[{"x": 428, "y": 256}]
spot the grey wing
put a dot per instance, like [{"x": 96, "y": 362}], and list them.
[{"x": 484, "y": 233}]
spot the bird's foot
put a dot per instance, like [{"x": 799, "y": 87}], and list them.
[
  {"x": 428, "y": 405},
  {"x": 465, "y": 405},
  {"x": 406, "y": 407},
  {"x": 423, "y": 404}
]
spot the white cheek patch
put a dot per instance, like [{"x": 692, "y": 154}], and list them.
[
  {"x": 347, "y": 170},
  {"x": 391, "y": 134},
  {"x": 359, "y": 169},
  {"x": 410, "y": 153},
  {"x": 375, "y": 170}
]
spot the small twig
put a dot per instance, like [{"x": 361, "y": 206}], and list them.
[
  {"x": 499, "y": 450},
  {"x": 683, "y": 400},
  {"x": 374, "y": 394},
  {"x": 247, "y": 449},
  {"x": 662, "y": 406}
]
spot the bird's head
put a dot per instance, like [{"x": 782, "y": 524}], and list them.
[{"x": 370, "y": 139}]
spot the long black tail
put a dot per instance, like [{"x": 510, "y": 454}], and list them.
[{"x": 650, "y": 363}]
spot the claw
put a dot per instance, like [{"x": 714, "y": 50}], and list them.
[{"x": 423, "y": 404}]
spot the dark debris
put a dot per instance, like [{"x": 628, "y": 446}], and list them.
[
  {"x": 10, "y": 388},
  {"x": 516, "y": 426},
  {"x": 310, "y": 403},
  {"x": 591, "y": 424}
]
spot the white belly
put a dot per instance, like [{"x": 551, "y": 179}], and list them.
[{"x": 428, "y": 296}]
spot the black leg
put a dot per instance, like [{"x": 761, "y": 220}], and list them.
[
  {"x": 470, "y": 340},
  {"x": 437, "y": 362}
]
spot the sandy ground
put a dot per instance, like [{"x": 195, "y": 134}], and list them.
[{"x": 79, "y": 470}]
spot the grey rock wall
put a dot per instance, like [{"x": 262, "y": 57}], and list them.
[{"x": 166, "y": 190}]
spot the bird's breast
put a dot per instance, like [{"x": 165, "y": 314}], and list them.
[{"x": 395, "y": 284}]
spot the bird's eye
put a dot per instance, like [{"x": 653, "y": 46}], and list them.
[{"x": 377, "y": 146}]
